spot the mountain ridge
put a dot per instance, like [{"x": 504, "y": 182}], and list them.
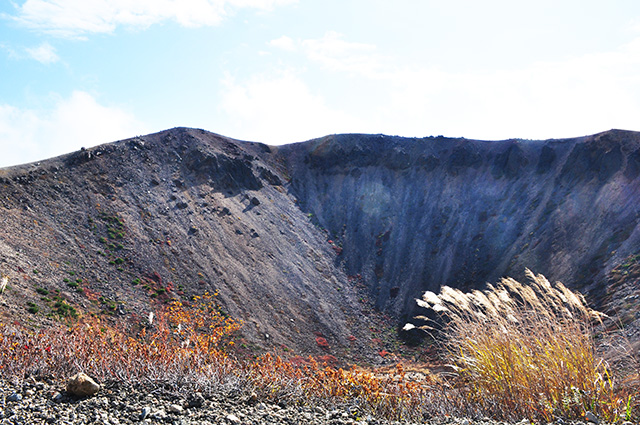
[{"x": 297, "y": 238}]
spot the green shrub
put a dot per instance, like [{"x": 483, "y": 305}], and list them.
[
  {"x": 32, "y": 307},
  {"x": 64, "y": 310}
]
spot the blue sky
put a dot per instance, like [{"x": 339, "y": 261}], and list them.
[{"x": 84, "y": 72}]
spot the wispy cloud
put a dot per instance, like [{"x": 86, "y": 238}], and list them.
[
  {"x": 29, "y": 135},
  {"x": 284, "y": 43},
  {"x": 563, "y": 98},
  {"x": 79, "y": 18},
  {"x": 335, "y": 53},
  {"x": 44, "y": 53}
]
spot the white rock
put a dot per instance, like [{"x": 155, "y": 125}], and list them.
[
  {"x": 145, "y": 412},
  {"x": 175, "y": 408},
  {"x": 233, "y": 419},
  {"x": 160, "y": 414}
]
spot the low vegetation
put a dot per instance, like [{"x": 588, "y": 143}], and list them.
[
  {"x": 516, "y": 352},
  {"x": 529, "y": 351}
]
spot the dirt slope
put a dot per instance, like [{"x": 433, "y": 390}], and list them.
[{"x": 181, "y": 212}]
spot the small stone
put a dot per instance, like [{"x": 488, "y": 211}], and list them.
[
  {"x": 82, "y": 385},
  {"x": 591, "y": 417},
  {"x": 15, "y": 397},
  {"x": 175, "y": 408},
  {"x": 145, "y": 412},
  {"x": 465, "y": 422},
  {"x": 253, "y": 399},
  {"x": 159, "y": 414},
  {"x": 57, "y": 397},
  {"x": 233, "y": 418},
  {"x": 255, "y": 201},
  {"x": 196, "y": 400}
]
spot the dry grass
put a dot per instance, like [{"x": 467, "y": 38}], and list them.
[
  {"x": 3, "y": 284},
  {"x": 527, "y": 351}
]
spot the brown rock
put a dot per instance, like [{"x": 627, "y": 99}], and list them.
[{"x": 82, "y": 385}]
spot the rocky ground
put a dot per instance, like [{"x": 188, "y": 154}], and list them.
[{"x": 40, "y": 402}]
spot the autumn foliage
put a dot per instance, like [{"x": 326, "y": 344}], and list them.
[
  {"x": 176, "y": 343},
  {"x": 526, "y": 354},
  {"x": 186, "y": 345}
]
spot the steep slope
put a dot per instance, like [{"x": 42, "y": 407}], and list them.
[
  {"x": 138, "y": 222},
  {"x": 414, "y": 214},
  {"x": 295, "y": 239}
]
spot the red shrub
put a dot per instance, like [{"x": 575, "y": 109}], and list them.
[{"x": 322, "y": 342}]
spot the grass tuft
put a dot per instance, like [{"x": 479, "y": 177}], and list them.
[{"x": 528, "y": 351}]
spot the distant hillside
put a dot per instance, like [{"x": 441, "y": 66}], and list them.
[{"x": 297, "y": 239}]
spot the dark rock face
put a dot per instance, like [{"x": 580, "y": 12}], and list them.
[{"x": 415, "y": 214}]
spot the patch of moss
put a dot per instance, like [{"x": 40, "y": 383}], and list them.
[{"x": 32, "y": 307}]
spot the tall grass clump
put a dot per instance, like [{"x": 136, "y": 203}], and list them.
[{"x": 528, "y": 351}]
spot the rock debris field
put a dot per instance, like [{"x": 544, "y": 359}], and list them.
[{"x": 37, "y": 402}]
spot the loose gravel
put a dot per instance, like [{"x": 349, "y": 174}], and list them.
[{"x": 40, "y": 402}]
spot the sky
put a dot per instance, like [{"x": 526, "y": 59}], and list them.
[{"x": 79, "y": 73}]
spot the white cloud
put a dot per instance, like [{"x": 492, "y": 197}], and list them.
[
  {"x": 78, "y": 121},
  {"x": 336, "y": 54},
  {"x": 284, "y": 43},
  {"x": 564, "y": 98},
  {"x": 574, "y": 97},
  {"x": 332, "y": 48},
  {"x": 78, "y": 18},
  {"x": 278, "y": 109},
  {"x": 44, "y": 53}
]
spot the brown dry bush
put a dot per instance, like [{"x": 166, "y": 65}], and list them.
[
  {"x": 185, "y": 346},
  {"x": 182, "y": 345}
]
